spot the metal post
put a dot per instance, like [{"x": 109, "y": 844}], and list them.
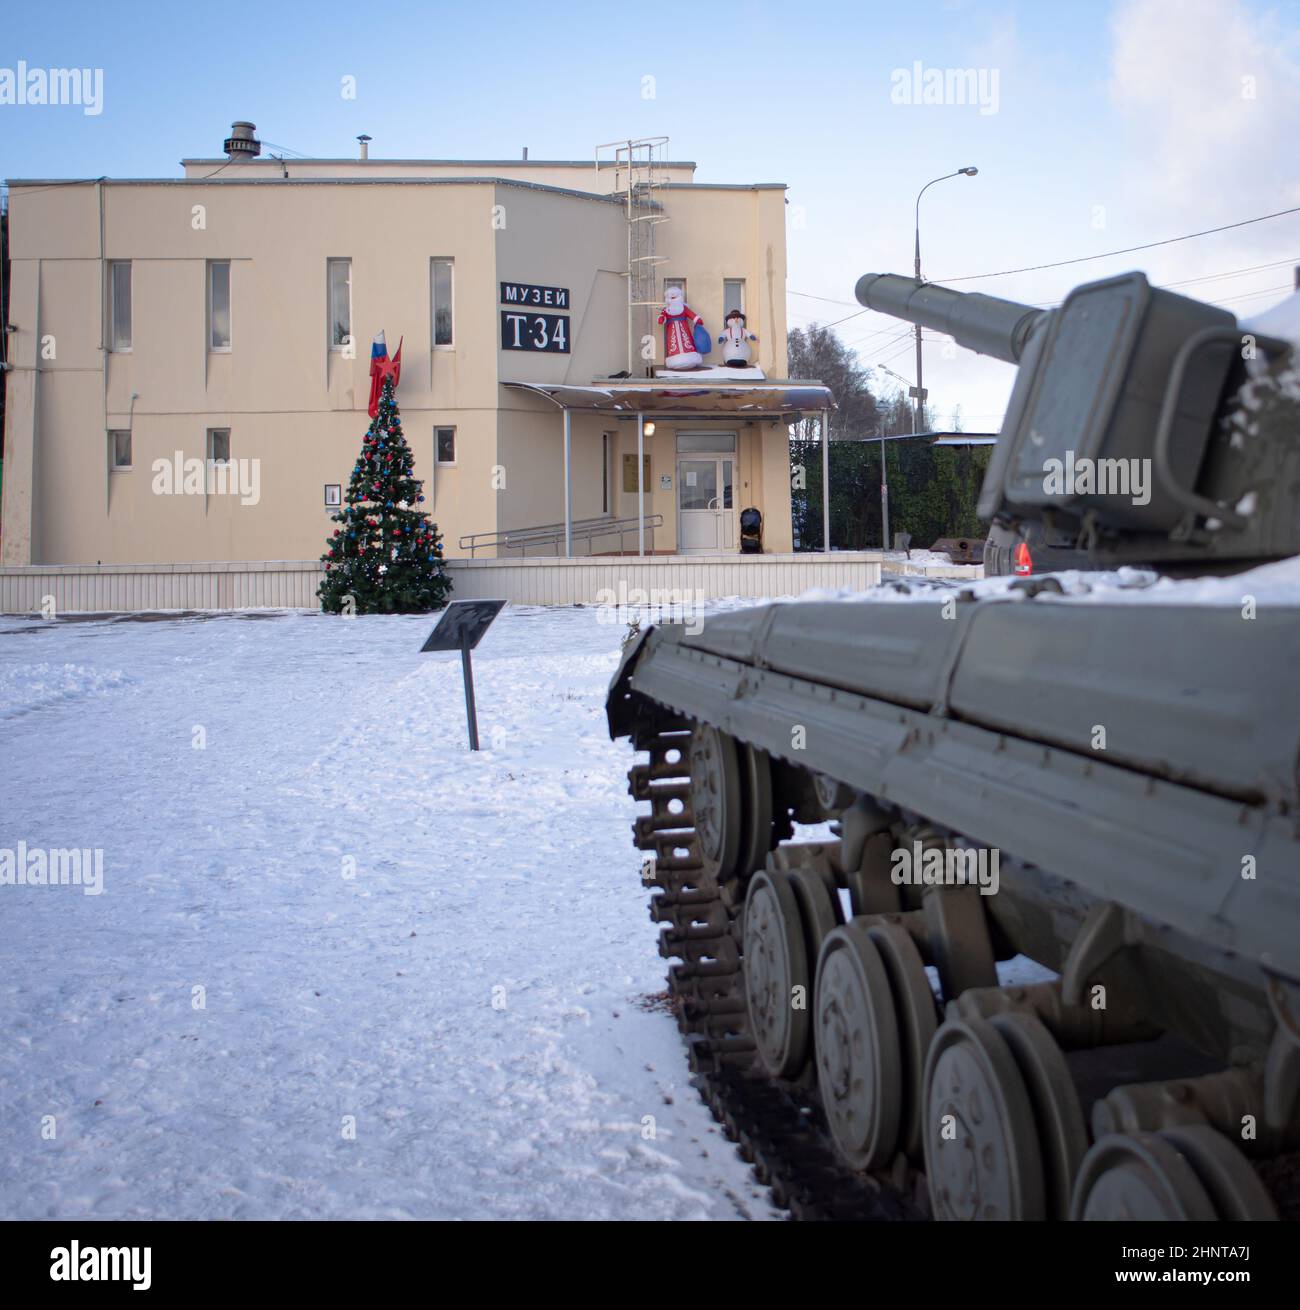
[
  {"x": 470, "y": 716},
  {"x": 640, "y": 478},
  {"x": 568, "y": 481},
  {"x": 920, "y": 385},
  {"x": 826, "y": 481},
  {"x": 884, "y": 491}
]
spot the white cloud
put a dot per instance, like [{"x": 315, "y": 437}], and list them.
[{"x": 1210, "y": 93}]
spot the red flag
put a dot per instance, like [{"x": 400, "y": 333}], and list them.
[{"x": 381, "y": 367}]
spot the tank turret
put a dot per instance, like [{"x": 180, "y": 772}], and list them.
[{"x": 1126, "y": 438}]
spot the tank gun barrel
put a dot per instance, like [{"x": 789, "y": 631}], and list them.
[{"x": 985, "y": 324}]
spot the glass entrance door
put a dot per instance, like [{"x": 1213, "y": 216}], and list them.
[{"x": 705, "y": 503}]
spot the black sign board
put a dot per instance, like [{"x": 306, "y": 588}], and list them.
[
  {"x": 463, "y": 624},
  {"x": 461, "y": 628},
  {"x": 542, "y": 332},
  {"x": 523, "y": 293}
]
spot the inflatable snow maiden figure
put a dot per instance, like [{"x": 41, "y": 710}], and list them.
[
  {"x": 679, "y": 321},
  {"x": 735, "y": 339}
]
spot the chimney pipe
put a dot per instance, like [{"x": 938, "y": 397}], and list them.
[
  {"x": 525, "y": 154},
  {"x": 365, "y": 146},
  {"x": 241, "y": 143}
]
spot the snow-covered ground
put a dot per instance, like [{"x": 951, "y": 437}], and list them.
[{"x": 474, "y": 997}]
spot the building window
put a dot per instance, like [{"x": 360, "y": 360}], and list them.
[
  {"x": 219, "y": 304},
  {"x": 219, "y": 445},
  {"x": 690, "y": 442},
  {"x": 604, "y": 472},
  {"x": 119, "y": 449},
  {"x": 119, "y": 298},
  {"x": 340, "y": 303},
  {"x": 445, "y": 443},
  {"x": 441, "y": 300},
  {"x": 676, "y": 282},
  {"x": 733, "y": 295}
]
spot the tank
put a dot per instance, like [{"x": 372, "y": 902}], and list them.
[
  {"x": 1042, "y": 959},
  {"x": 1124, "y": 440}
]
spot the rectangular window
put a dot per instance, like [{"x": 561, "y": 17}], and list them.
[
  {"x": 733, "y": 295},
  {"x": 689, "y": 442},
  {"x": 604, "y": 472},
  {"x": 676, "y": 282},
  {"x": 340, "y": 302},
  {"x": 445, "y": 442},
  {"x": 441, "y": 300},
  {"x": 219, "y": 445},
  {"x": 219, "y": 304},
  {"x": 119, "y": 449},
  {"x": 119, "y": 302}
]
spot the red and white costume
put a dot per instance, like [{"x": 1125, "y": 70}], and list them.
[{"x": 678, "y": 320}]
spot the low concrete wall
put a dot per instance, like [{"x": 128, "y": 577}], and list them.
[{"x": 291, "y": 584}]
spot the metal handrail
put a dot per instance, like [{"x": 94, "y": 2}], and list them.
[{"x": 553, "y": 534}]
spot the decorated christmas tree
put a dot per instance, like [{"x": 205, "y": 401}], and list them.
[{"x": 385, "y": 553}]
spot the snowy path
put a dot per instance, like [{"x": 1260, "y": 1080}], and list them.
[{"x": 327, "y": 996}]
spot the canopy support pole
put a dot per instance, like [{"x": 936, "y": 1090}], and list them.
[
  {"x": 826, "y": 482},
  {"x": 568, "y": 482},
  {"x": 640, "y": 480}
]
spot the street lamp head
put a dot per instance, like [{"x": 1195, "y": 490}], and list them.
[{"x": 969, "y": 171}]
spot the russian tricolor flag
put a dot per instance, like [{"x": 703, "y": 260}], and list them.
[{"x": 381, "y": 367}]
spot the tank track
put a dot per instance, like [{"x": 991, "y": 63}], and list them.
[
  {"x": 771, "y": 1107},
  {"x": 776, "y": 1125}
]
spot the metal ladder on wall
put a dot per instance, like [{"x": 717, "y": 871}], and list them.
[{"x": 639, "y": 165}]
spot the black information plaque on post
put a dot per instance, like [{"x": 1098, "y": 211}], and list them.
[{"x": 461, "y": 628}]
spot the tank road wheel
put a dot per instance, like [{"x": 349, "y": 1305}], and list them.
[
  {"x": 857, "y": 1047},
  {"x": 776, "y": 962},
  {"x": 756, "y": 800},
  {"x": 914, "y": 1010},
  {"x": 716, "y": 800},
  {"x": 1062, "y": 1133},
  {"x": 819, "y": 908},
  {"x": 1234, "y": 1186},
  {"x": 1138, "y": 1176},
  {"x": 981, "y": 1145},
  {"x": 1189, "y": 1172}
]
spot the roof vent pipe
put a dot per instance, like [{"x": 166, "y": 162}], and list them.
[
  {"x": 525, "y": 154},
  {"x": 241, "y": 143},
  {"x": 364, "y": 152}
]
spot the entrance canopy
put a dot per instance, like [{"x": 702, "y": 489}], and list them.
[
  {"x": 769, "y": 400},
  {"x": 670, "y": 398}
]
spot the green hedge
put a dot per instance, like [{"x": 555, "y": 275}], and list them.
[{"x": 932, "y": 492}]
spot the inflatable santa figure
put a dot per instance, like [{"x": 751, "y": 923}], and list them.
[
  {"x": 735, "y": 341},
  {"x": 679, "y": 321}
]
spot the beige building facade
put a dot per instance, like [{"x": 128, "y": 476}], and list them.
[{"x": 222, "y": 321}]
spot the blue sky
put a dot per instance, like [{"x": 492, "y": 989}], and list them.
[{"x": 1117, "y": 122}]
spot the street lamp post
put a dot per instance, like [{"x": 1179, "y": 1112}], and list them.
[{"x": 918, "y": 391}]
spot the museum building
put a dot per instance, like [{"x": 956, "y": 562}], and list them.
[{"x": 222, "y": 321}]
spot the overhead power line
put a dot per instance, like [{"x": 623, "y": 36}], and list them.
[{"x": 1127, "y": 250}]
